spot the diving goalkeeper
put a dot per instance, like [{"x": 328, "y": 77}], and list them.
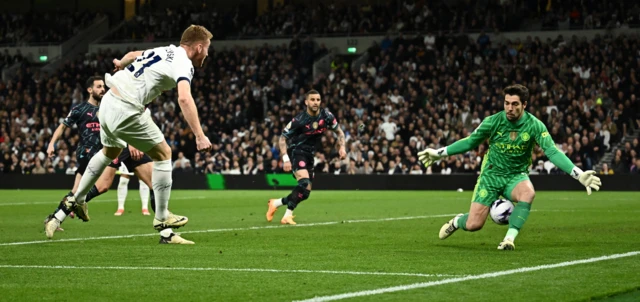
[{"x": 512, "y": 134}]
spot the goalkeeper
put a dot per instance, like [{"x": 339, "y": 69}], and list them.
[{"x": 512, "y": 134}]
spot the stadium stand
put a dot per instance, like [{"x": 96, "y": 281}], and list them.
[
  {"x": 414, "y": 91},
  {"x": 38, "y": 28}
]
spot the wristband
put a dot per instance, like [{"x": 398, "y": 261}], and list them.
[
  {"x": 442, "y": 151},
  {"x": 285, "y": 158},
  {"x": 575, "y": 172}
]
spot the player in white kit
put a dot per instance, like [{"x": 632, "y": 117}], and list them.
[{"x": 140, "y": 77}]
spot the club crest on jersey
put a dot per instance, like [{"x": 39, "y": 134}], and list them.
[
  {"x": 315, "y": 125},
  {"x": 513, "y": 135},
  {"x": 525, "y": 136},
  {"x": 321, "y": 122}
]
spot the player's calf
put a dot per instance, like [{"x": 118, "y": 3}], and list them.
[{"x": 298, "y": 194}]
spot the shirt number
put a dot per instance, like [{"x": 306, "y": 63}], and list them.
[{"x": 150, "y": 60}]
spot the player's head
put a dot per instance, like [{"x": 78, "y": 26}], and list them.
[
  {"x": 515, "y": 100},
  {"x": 95, "y": 87},
  {"x": 196, "y": 40},
  {"x": 312, "y": 100}
]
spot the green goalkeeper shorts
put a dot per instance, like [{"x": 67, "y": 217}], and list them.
[{"x": 490, "y": 187}]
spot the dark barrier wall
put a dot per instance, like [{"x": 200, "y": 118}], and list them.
[{"x": 328, "y": 182}]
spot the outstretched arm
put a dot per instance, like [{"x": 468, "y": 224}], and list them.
[
  {"x": 586, "y": 178},
  {"x": 477, "y": 137},
  {"x": 429, "y": 155}
]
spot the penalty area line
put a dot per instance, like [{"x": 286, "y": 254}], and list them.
[
  {"x": 230, "y": 229},
  {"x": 393, "y": 289},
  {"x": 259, "y": 270}
]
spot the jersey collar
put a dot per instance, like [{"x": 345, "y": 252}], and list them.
[{"x": 523, "y": 119}]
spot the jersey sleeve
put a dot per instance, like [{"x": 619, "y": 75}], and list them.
[
  {"x": 330, "y": 119},
  {"x": 477, "y": 137},
  {"x": 291, "y": 129},
  {"x": 73, "y": 117},
  {"x": 544, "y": 140},
  {"x": 182, "y": 70}
]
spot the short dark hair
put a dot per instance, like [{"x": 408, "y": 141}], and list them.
[
  {"x": 91, "y": 80},
  {"x": 519, "y": 90},
  {"x": 312, "y": 91}
]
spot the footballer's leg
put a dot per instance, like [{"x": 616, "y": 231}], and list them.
[
  {"x": 66, "y": 208},
  {"x": 123, "y": 189},
  {"x": 161, "y": 182},
  {"x": 484, "y": 194},
  {"x": 144, "y": 198},
  {"x": 143, "y": 169},
  {"x": 301, "y": 192},
  {"x": 62, "y": 206},
  {"x": 143, "y": 172},
  {"x": 519, "y": 189},
  {"x": 139, "y": 131},
  {"x": 103, "y": 184}
]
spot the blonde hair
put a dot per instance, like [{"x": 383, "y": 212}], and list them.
[{"x": 195, "y": 33}]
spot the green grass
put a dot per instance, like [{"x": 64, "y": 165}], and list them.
[{"x": 564, "y": 226}]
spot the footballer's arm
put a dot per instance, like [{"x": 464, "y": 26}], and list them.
[
  {"x": 342, "y": 151},
  {"x": 189, "y": 109},
  {"x": 586, "y": 178},
  {"x": 130, "y": 57},
  {"x": 54, "y": 138},
  {"x": 481, "y": 134},
  {"x": 558, "y": 158},
  {"x": 282, "y": 143}
]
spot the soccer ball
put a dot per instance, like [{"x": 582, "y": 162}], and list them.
[{"x": 500, "y": 211}]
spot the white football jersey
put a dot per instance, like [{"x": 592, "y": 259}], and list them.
[{"x": 157, "y": 70}]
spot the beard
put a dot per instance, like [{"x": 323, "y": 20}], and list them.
[{"x": 97, "y": 97}]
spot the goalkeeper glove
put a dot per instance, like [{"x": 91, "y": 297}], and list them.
[
  {"x": 587, "y": 179},
  {"x": 429, "y": 155}
]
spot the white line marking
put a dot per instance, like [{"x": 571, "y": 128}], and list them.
[
  {"x": 225, "y": 269},
  {"x": 229, "y": 229},
  {"x": 54, "y": 203},
  {"x": 466, "y": 278}
]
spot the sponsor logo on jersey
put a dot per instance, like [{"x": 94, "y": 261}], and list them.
[{"x": 315, "y": 125}]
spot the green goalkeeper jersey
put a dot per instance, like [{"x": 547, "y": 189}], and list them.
[{"x": 511, "y": 144}]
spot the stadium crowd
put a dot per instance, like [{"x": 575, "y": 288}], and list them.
[
  {"x": 42, "y": 28},
  {"x": 337, "y": 18},
  {"x": 412, "y": 93}
]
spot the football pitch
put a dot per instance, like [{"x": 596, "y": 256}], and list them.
[{"x": 348, "y": 245}]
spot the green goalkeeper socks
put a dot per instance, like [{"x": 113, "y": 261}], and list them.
[
  {"x": 461, "y": 222},
  {"x": 517, "y": 219}
]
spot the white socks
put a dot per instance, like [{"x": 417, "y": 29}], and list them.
[
  {"x": 94, "y": 169},
  {"x": 144, "y": 195},
  {"x": 166, "y": 233},
  {"x": 123, "y": 187},
  {"x": 288, "y": 213},
  {"x": 278, "y": 202},
  {"x": 161, "y": 181}
]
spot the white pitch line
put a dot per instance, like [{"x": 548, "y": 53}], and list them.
[
  {"x": 266, "y": 270},
  {"x": 53, "y": 202},
  {"x": 229, "y": 229},
  {"x": 466, "y": 278}
]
